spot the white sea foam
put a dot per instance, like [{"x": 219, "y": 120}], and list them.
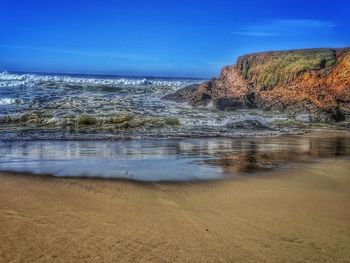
[
  {"x": 17, "y": 80},
  {"x": 52, "y": 102},
  {"x": 8, "y": 101}
]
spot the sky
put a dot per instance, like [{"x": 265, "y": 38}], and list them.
[{"x": 160, "y": 38}]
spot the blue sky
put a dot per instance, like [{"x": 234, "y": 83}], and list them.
[{"x": 162, "y": 38}]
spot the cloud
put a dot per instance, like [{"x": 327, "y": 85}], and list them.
[
  {"x": 83, "y": 53},
  {"x": 285, "y": 27}
]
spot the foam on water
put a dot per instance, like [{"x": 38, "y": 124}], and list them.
[
  {"x": 37, "y": 106},
  {"x": 17, "y": 80},
  {"x": 8, "y": 101}
]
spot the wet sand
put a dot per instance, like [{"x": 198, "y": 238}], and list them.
[{"x": 300, "y": 215}]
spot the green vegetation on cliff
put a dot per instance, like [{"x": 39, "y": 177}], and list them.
[{"x": 274, "y": 68}]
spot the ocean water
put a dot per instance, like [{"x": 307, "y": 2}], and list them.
[
  {"x": 119, "y": 127},
  {"x": 34, "y": 106}
]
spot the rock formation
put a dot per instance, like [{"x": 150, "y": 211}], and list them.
[{"x": 312, "y": 81}]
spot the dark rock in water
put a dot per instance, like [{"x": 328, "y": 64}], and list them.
[
  {"x": 182, "y": 95},
  {"x": 195, "y": 95},
  {"x": 228, "y": 104},
  {"x": 337, "y": 115},
  {"x": 346, "y": 125},
  {"x": 248, "y": 125},
  {"x": 213, "y": 90}
]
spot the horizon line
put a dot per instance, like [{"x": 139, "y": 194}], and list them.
[{"x": 103, "y": 74}]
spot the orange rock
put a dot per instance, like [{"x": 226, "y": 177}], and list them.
[{"x": 315, "y": 81}]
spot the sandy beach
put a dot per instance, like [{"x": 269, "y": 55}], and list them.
[{"x": 297, "y": 215}]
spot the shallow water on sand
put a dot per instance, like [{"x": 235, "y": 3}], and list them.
[{"x": 166, "y": 160}]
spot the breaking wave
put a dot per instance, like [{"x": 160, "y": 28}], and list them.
[
  {"x": 17, "y": 80},
  {"x": 42, "y": 106}
]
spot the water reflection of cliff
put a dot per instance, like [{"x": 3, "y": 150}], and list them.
[
  {"x": 263, "y": 154},
  {"x": 185, "y": 159}
]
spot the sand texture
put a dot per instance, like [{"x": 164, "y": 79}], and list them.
[{"x": 300, "y": 215}]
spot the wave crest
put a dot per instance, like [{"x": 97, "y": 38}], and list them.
[{"x": 18, "y": 80}]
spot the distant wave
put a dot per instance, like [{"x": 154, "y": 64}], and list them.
[{"x": 17, "y": 80}]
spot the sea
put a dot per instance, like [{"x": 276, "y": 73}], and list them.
[{"x": 119, "y": 127}]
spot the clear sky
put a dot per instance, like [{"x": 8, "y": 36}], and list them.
[{"x": 163, "y": 38}]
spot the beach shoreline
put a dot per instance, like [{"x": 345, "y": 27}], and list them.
[{"x": 284, "y": 215}]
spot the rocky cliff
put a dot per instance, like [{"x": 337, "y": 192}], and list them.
[{"x": 310, "y": 81}]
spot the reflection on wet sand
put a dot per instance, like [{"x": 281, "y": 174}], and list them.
[
  {"x": 166, "y": 160},
  {"x": 254, "y": 155}
]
